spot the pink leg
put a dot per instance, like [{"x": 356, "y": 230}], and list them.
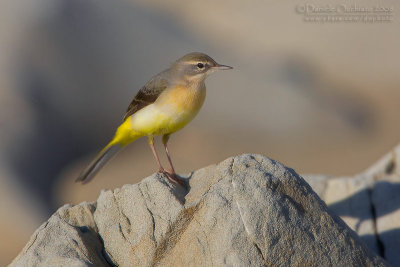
[
  {"x": 151, "y": 143},
  {"x": 171, "y": 173},
  {"x": 165, "y": 139}
]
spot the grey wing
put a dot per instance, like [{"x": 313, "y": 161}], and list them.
[{"x": 147, "y": 95}]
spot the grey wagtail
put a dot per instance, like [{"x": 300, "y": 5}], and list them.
[{"x": 168, "y": 102}]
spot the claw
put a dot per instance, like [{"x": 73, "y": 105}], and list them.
[{"x": 173, "y": 178}]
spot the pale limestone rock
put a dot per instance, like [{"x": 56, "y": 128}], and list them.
[
  {"x": 386, "y": 204},
  {"x": 350, "y": 198},
  {"x": 68, "y": 238},
  {"x": 369, "y": 203},
  {"x": 246, "y": 211}
]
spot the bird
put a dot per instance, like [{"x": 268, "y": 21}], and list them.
[{"x": 164, "y": 105}]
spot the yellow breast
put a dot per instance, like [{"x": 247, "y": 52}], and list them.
[
  {"x": 182, "y": 99},
  {"x": 173, "y": 109}
]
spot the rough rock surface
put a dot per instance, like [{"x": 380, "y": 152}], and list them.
[
  {"x": 246, "y": 211},
  {"x": 369, "y": 203}
]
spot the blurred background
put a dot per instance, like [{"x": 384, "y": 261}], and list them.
[{"x": 317, "y": 95}]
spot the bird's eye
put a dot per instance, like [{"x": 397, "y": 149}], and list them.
[{"x": 200, "y": 65}]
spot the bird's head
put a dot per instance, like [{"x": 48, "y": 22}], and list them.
[{"x": 196, "y": 66}]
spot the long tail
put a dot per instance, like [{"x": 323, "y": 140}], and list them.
[{"x": 101, "y": 159}]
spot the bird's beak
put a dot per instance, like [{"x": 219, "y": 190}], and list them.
[{"x": 223, "y": 67}]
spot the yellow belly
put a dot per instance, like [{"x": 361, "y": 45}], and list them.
[{"x": 175, "y": 108}]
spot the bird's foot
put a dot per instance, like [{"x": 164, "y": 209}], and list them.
[{"x": 171, "y": 175}]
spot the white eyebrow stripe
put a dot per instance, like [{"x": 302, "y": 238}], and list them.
[{"x": 195, "y": 62}]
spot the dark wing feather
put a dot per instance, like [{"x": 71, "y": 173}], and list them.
[{"x": 147, "y": 95}]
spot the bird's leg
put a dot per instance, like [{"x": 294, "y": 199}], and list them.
[
  {"x": 151, "y": 143},
  {"x": 171, "y": 173},
  {"x": 165, "y": 139}
]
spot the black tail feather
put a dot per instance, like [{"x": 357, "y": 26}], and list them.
[{"x": 101, "y": 159}]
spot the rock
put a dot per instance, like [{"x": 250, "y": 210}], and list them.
[
  {"x": 350, "y": 198},
  {"x": 68, "y": 238},
  {"x": 386, "y": 204},
  {"x": 246, "y": 211},
  {"x": 369, "y": 203}
]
